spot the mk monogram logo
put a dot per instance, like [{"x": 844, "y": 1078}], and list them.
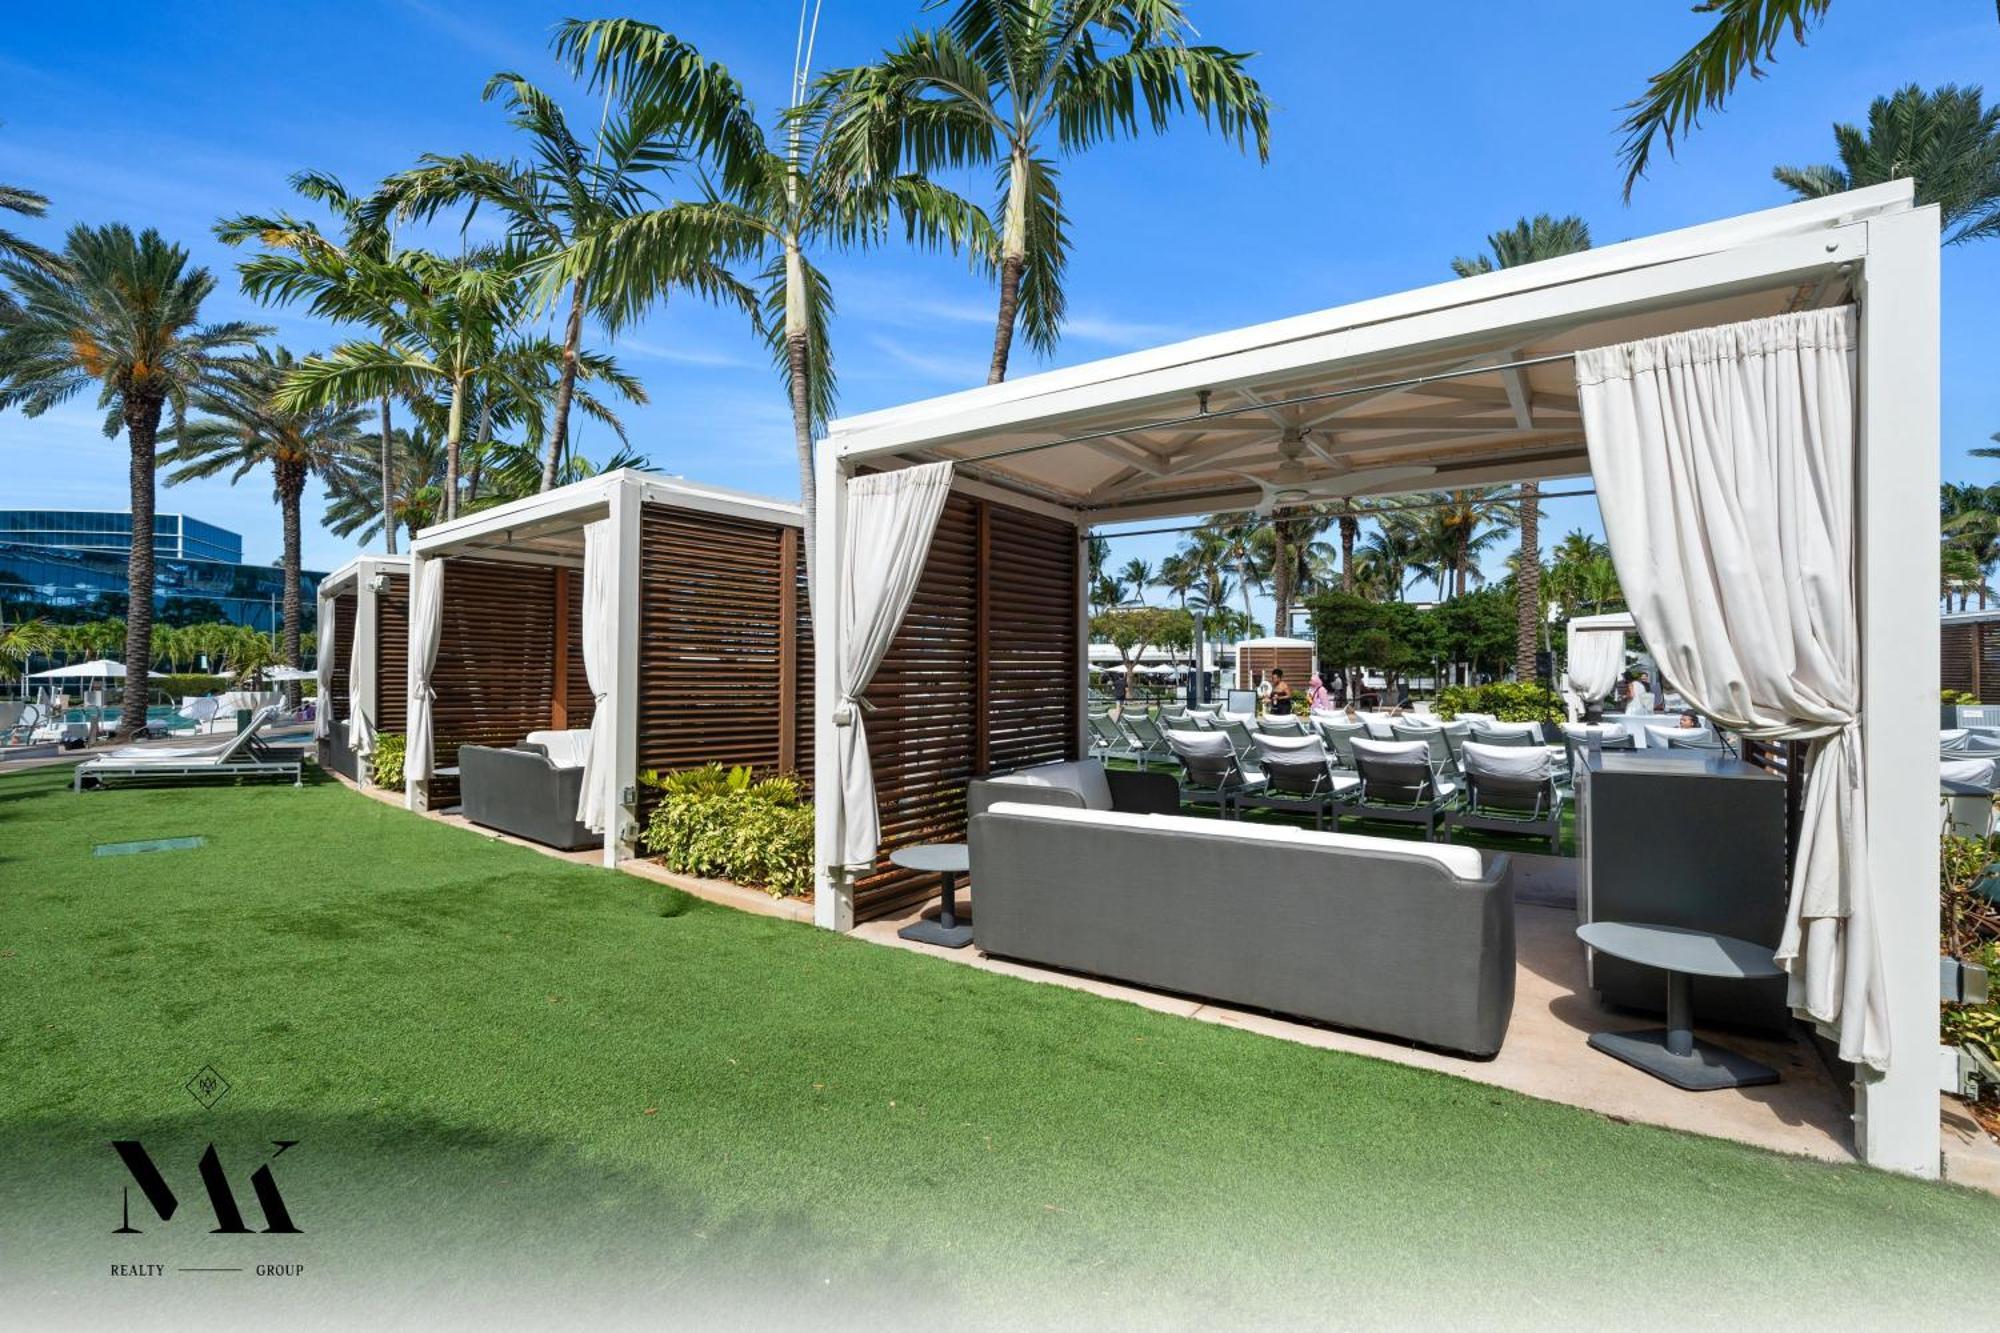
[{"x": 228, "y": 1217}]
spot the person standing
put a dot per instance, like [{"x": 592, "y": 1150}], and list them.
[{"x": 1279, "y": 704}]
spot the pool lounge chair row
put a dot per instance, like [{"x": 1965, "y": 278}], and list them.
[{"x": 246, "y": 754}]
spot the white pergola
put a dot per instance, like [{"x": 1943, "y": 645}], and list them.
[
  {"x": 548, "y": 530},
  {"x": 1471, "y": 383}
]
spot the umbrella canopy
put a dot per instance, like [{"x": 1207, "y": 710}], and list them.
[
  {"x": 101, "y": 669},
  {"x": 288, "y": 673}
]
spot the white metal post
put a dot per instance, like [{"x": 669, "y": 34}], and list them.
[
  {"x": 1896, "y": 1120},
  {"x": 1083, "y": 636},
  {"x": 621, "y": 833},
  {"x": 367, "y": 624},
  {"x": 833, "y": 891},
  {"x": 416, "y": 791}
]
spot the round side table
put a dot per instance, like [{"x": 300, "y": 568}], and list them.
[
  {"x": 1673, "y": 1053},
  {"x": 947, "y": 860}
]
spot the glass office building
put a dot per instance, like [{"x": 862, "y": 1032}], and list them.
[
  {"x": 175, "y": 536},
  {"x": 69, "y": 566}
]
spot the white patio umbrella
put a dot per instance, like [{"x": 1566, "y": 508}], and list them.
[{"x": 101, "y": 669}]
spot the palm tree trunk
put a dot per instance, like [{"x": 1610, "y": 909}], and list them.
[
  {"x": 565, "y": 387},
  {"x": 798, "y": 361},
  {"x": 453, "y": 426},
  {"x": 1528, "y": 583},
  {"x": 388, "y": 483},
  {"x": 291, "y": 485},
  {"x": 142, "y": 432},
  {"x": 1013, "y": 259},
  {"x": 1281, "y": 583},
  {"x": 1350, "y": 529}
]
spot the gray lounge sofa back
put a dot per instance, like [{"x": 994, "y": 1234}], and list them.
[
  {"x": 1405, "y": 939},
  {"x": 520, "y": 790},
  {"x": 1080, "y": 784}
]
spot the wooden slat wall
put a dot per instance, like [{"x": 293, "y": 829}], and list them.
[
  {"x": 1969, "y": 655},
  {"x": 493, "y": 680},
  {"x": 343, "y": 654},
  {"x": 580, "y": 705},
  {"x": 714, "y": 644},
  {"x": 392, "y": 656},
  {"x": 802, "y": 659},
  {"x": 1787, "y": 758},
  {"x": 951, "y": 702}
]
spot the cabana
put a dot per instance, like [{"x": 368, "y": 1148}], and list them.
[
  {"x": 1766, "y": 541},
  {"x": 363, "y": 659},
  {"x": 1257, "y": 658},
  {"x": 665, "y": 617},
  {"x": 1596, "y": 658}
]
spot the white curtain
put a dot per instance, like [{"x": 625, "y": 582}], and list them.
[
  {"x": 1725, "y": 471},
  {"x": 361, "y": 685},
  {"x": 1596, "y": 657},
  {"x": 426, "y": 626},
  {"x": 323, "y": 668},
  {"x": 600, "y": 664},
  {"x": 885, "y": 539}
]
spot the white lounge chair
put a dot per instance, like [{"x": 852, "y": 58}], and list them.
[{"x": 238, "y": 756}]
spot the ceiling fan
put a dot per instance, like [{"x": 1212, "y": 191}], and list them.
[{"x": 1294, "y": 484}]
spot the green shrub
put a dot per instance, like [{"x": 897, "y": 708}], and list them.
[
  {"x": 1957, "y": 698},
  {"x": 189, "y": 684},
  {"x": 1969, "y": 930},
  {"x": 385, "y": 766},
  {"x": 1507, "y": 701},
  {"x": 727, "y": 824}
]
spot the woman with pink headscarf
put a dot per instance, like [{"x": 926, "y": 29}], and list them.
[{"x": 1316, "y": 696}]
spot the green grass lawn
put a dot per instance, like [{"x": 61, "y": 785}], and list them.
[{"x": 511, "y": 1078}]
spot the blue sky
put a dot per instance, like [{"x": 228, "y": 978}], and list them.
[{"x": 1404, "y": 136}]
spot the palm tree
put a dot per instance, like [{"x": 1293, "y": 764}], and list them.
[
  {"x": 1235, "y": 535},
  {"x": 781, "y": 201},
  {"x": 122, "y": 313},
  {"x": 342, "y": 281},
  {"x": 1386, "y": 558},
  {"x": 1945, "y": 141},
  {"x": 416, "y": 489},
  {"x": 1744, "y": 40},
  {"x": 19, "y": 249},
  {"x": 1178, "y": 575},
  {"x": 1002, "y": 82},
  {"x": 560, "y": 209},
  {"x": 445, "y": 323},
  {"x": 1139, "y": 574},
  {"x": 22, "y": 640},
  {"x": 1528, "y": 241},
  {"x": 243, "y": 429}
]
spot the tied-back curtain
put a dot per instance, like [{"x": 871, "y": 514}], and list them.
[
  {"x": 323, "y": 671},
  {"x": 600, "y": 661},
  {"x": 426, "y": 627},
  {"x": 361, "y": 672},
  {"x": 885, "y": 539},
  {"x": 1724, "y": 461},
  {"x": 1596, "y": 656}
]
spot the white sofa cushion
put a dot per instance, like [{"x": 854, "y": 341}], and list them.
[
  {"x": 1085, "y": 777},
  {"x": 566, "y": 749},
  {"x": 1465, "y": 863}
]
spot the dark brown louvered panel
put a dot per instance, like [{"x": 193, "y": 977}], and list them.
[
  {"x": 579, "y": 704},
  {"x": 802, "y": 657},
  {"x": 713, "y": 643},
  {"x": 392, "y": 656},
  {"x": 494, "y": 680},
  {"x": 343, "y": 654},
  {"x": 1031, "y": 640},
  {"x": 1959, "y": 657}
]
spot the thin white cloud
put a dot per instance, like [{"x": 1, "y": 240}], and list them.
[
  {"x": 961, "y": 371},
  {"x": 682, "y": 354}
]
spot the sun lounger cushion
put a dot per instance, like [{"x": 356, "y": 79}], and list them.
[
  {"x": 1971, "y": 772},
  {"x": 1085, "y": 777},
  {"x": 1525, "y": 763},
  {"x": 565, "y": 749}
]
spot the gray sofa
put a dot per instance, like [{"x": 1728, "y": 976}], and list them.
[
  {"x": 1081, "y": 784},
  {"x": 528, "y": 790},
  {"x": 1404, "y": 939}
]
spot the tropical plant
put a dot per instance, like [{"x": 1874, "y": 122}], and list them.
[
  {"x": 1132, "y": 630},
  {"x": 1743, "y": 40},
  {"x": 1945, "y": 141},
  {"x": 18, "y": 249},
  {"x": 385, "y": 762},
  {"x": 728, "y": 824},
  {"x": 22, "y": 640},
  {"x": 1454, "y": 530},
  {"x": 782, "y": 201},
  {"x": 1505, "y": 701},
  {"x": 1003, "y": 83},
  {"x": 444, "y": 325},
  {"x": 561, "y": 209},
  {"x": 1528, "y": 241},
  {"x": 1969, "y": 523},
  {"x": 242, "y": 430},
  {"x": 123, "y": 313},
  {"x": 341, "y": 280},
  {"x": 1138, "y": 573}
]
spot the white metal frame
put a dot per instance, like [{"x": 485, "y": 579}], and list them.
[
  {"x": 361, "y": 572},
  {"x": 546, "y": 529},
  {"x": 1873, "y": 242}
]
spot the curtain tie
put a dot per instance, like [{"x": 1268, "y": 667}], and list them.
[{"x": 843, "y": 714}]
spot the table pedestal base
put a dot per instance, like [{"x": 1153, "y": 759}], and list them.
[
  {"x": 948, "y": 931},
  {"x": 1705, "y": 1068}
]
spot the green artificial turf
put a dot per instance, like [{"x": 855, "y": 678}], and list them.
[{"x": 505, "y": 1073}]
